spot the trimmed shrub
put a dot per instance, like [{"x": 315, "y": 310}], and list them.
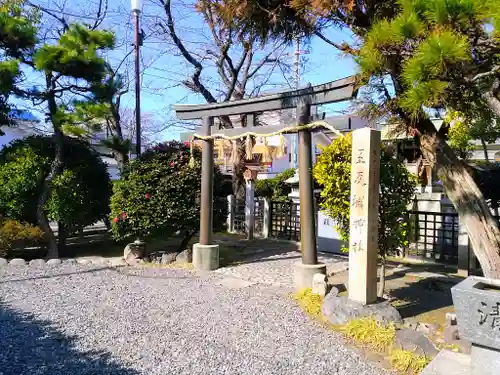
[
  {"x": 397, "y": 189},
  {"x": 79, "y": 196},
  {"x": 159, "y": 195},
  {"x": 15, "y": 236}
]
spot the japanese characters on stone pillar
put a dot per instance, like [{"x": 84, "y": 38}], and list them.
[{"x": 363, "y": 237}]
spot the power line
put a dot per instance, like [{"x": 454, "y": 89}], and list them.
[{"x": 64, "y": 13}]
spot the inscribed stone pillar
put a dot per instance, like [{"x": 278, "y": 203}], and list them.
[{"x": 363, "y": 237}]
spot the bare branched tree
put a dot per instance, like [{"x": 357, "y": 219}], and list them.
[{"x": 224, "y": 63}]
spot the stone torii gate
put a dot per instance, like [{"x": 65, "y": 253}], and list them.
[{"x": 205, "y": 253}]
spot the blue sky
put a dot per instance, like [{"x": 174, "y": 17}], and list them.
[{"x": 164, "y": 69}]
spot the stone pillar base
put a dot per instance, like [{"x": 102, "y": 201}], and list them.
[
  {"x": 484, "y": 361},
  {"x": 205, "y": 257},
  {"x": 303, "y": 274}
]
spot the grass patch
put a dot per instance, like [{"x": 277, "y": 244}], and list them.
[
  {"x": 365, "y": 332},
  {"x": 309, "y": 302},
  {"x": 407, "y": 362},
  {"x": 368, "y": 332}
]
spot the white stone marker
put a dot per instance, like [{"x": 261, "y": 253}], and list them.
[
  {"x": 363, "y": 238},
  {"x": 319, "y": 284}
]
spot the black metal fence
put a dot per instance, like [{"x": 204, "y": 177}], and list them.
[
  {"x": 285, "y": 220},
  {"x": 239, "y": 216},
  {"x": 434, "y": 236}
]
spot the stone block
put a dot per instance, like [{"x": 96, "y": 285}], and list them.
[
  {"x": 117, "y": 262},
  {"x": 340, "y": 310},
  {"x": 414, "y": 341},
  {"x": 70, "y": 261},
  {"x": 485, "y": 361},
  {"x": 134, "y": 252},
  {"x": 84, "y": 262},
  {"x": 205, "y": 257},
  {"x": 185, "y": 256},
  {"x": 54, "y": 262},
  {"x": 304, "y": 274},
  {"x": 319, "y": 284},
  {"x": 17, "y": 262},
  {"x": 477, "y": 303},
  {"x": 428, "y": 328},
  {"x": 3, "y": 262},
  {"x": 37, "y": 263},
  {"x": 449, "y": 363},
  {"x": 168, "y": 258}
]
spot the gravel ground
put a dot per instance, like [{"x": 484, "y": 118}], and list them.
[
  {"x": 277, "y": 269},
  {"x": 79, "y": 320}
]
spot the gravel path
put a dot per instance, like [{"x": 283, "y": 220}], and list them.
[
  {"x": 79, "y": 320},
  {"x": 277, "y": 269}
]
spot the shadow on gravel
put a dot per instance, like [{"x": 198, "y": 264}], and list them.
[{"x": 31, "y": 346}]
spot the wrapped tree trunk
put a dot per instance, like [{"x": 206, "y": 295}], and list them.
[{"x": 468, "y": 201}]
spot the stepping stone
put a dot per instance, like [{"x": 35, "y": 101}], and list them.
[
  {"x": 17, "y": 262},
  {"x": 54, "y": 262},
  {"x": 37, "y": 263}
]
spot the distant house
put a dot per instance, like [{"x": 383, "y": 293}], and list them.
[{"x": 26, "y": 124}]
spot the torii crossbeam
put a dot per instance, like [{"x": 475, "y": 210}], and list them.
[{"x": 206, "y": 254}]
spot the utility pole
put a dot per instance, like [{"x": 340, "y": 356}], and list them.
[{"x": 136, "y": 10}]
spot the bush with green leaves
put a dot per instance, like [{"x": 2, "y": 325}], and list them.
[
  {"x": 79, "y": 196},
  {"x": 15, "y": 235},
  {"x": 159, "y": 195},
  {"x": 397, "y": 190},
  {"x": 275, "y": 188}
]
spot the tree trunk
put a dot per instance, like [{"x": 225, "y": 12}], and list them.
[
  {"x": 61, "y": 237},
  {"x": 43, "y": 221},
  {"x": 381, "y": 283},
  {"x": 238, "y": 169},
  {"x": 468, "y": 200},
  {"x": 485, "y": 150},
  {"x": 121, "y": 159},
  {"x": 55, "y": 169}
]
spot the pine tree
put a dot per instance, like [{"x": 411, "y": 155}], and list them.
[
  {"x": 70, "y": 67},
  {"x": 440, "y": 54},
  {"x": 101, "y": 112},
  {"x": 17, "y": 36}
]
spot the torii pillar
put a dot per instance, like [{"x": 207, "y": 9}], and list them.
[
  {"x": 206, "y": 254},
  {"x": 305, "y": 270}
]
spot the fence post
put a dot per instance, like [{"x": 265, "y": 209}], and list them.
[
  {"x": 266, "y": 220},
  {"x": 463, "y": 250},
  {"x": 230, "y": 213},
  {"x": 250, "y": 208}
]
